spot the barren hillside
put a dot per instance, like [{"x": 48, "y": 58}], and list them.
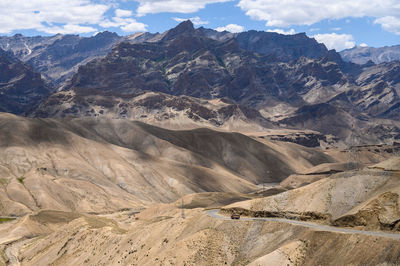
[{"x": 89, "y": 165}]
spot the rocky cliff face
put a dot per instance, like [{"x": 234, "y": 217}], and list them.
[
  {"x": 21, "y": 89},
  {"x": 362, "y": 55}
]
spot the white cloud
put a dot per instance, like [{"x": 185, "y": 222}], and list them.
[
  {"x": 336, "y": 29},
  {"x": 234, "y": 28},
  {"x": 280, "y": 31},
  {"x": 178, "y": 6},
  {"x": 364, "y": 45},
  {"x": 278, "y": 13},
  {"x": 390, "y": 24},
  {"x": 336, "y": 41},
  {"x": 68, "y": 29},
  {"x": 134, "y": 26},
  {"x": 126, "y": 24},
  {"x": 196, "y": 20},
  {"x": 64, "y": 16},
  {"x": 44, "y": 14},
  {"x": 123, "y": 13}
]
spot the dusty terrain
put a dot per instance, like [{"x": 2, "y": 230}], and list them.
[
  {"x": 105, "y": 165},
  {"x": 160, "y": 236},
  {"x": 111, "y": 192}
]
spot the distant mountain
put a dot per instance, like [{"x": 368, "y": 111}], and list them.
[
  {"x": 21, "y": 89},
  {"x": 58, "y": 57},
  {"x": 361, "y": 55}
]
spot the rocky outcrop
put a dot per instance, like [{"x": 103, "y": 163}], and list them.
[
  {"x": 301, "y": 216},
  {"x": 381, "y": 213},
  {"x": 304, "y": 139}
]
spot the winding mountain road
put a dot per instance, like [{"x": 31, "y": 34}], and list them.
[{"x": 214, "y": 213}]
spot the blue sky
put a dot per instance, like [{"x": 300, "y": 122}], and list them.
[{"x": 339, "y": 24}]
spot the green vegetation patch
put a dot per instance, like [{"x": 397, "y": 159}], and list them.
[
  {"x": 3, "y": 220},
  {"x": 21, "y": 179},
  {"x": 48, "y": 216}
]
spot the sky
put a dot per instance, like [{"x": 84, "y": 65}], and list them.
[{"x": 339, "y": 24}]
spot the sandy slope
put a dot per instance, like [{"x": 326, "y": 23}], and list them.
[{"x": 89, "y": 165}]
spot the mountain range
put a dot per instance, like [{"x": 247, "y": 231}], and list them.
[
  {"x": 58, "y": 57},
  {"x": 190, "y": 78},
  {"x": 362, "y": 55}
]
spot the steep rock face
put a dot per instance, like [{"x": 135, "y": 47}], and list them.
[
  {"x": 21, "y": 88},
  {"x": 361, "y": 55}
]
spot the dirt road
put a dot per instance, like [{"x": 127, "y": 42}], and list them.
[{"x": 319, "y": 227}]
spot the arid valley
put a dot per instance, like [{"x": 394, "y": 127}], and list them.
[{"x": 197, "y": 146}]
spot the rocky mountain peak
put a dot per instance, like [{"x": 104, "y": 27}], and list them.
[
  {"x": 106, "y": 34},
  {"x": 184, "y": 28},
  {"x": 18, "y": 35}
]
